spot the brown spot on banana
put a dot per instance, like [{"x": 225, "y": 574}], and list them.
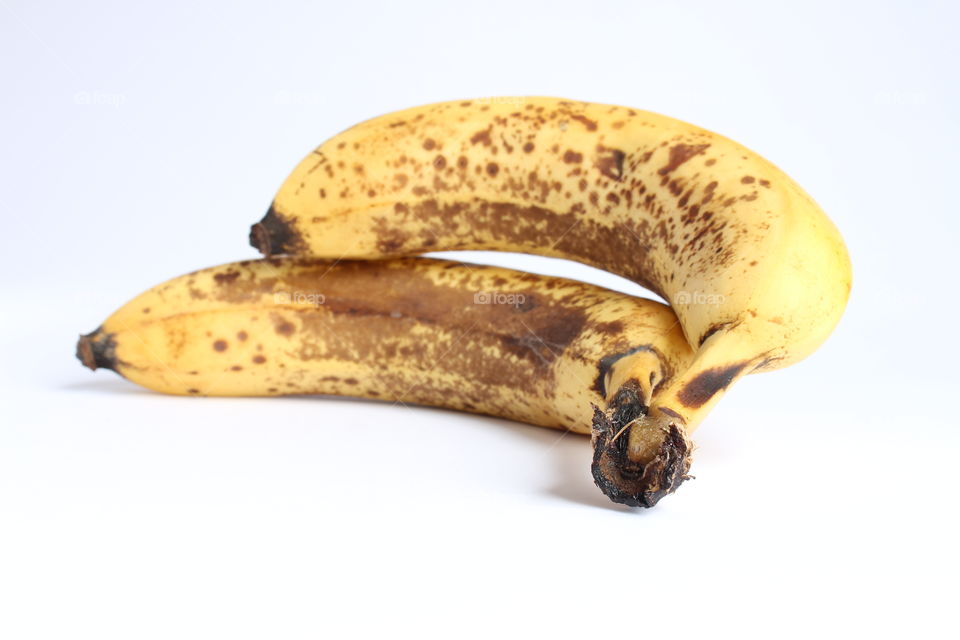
[
  {"x": 715, "y": 328},
  {"x": 482, "y": 137},
  {"x": 610, "y": 162},
  {"x": 680, "y": 153},
  {"x": 707, "y": 384},
  {"x": 282, "y": 326}
]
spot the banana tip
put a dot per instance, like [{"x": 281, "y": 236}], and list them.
[
  {"x": 97, "y": 350},
  {"x": 260, "y": 239},
  {"x": 274, "y": 235}
]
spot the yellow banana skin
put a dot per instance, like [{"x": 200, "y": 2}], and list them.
[
  {"x": 756, "y": 273},
  {"x": 532, "y": 348}
]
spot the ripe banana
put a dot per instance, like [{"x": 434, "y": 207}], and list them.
[
  {"x": 532, "y": 348},
  {"x": 756, "y": 273}
]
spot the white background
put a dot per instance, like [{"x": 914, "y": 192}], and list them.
[{"x": 139, "y": 142}]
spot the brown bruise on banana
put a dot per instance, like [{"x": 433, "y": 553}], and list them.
[
  {"x": 706, "y": 384},
  {"x": 407, "y": 331},
  {"x": 634, "y": 210}
]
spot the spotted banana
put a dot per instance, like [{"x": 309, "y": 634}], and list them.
[
  {"x": 532, "y": 348},
  {"x": 756, "y": 273}
]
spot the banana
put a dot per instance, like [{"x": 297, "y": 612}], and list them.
[
  {"x": 756, "y": 273},
  {"x": 532, "y": 348}
]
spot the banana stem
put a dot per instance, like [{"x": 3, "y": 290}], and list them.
[
  {"x": 631, "y": 481},
  {"x": 661, "y": 464},
  {"x": 642, "y": 445}
]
